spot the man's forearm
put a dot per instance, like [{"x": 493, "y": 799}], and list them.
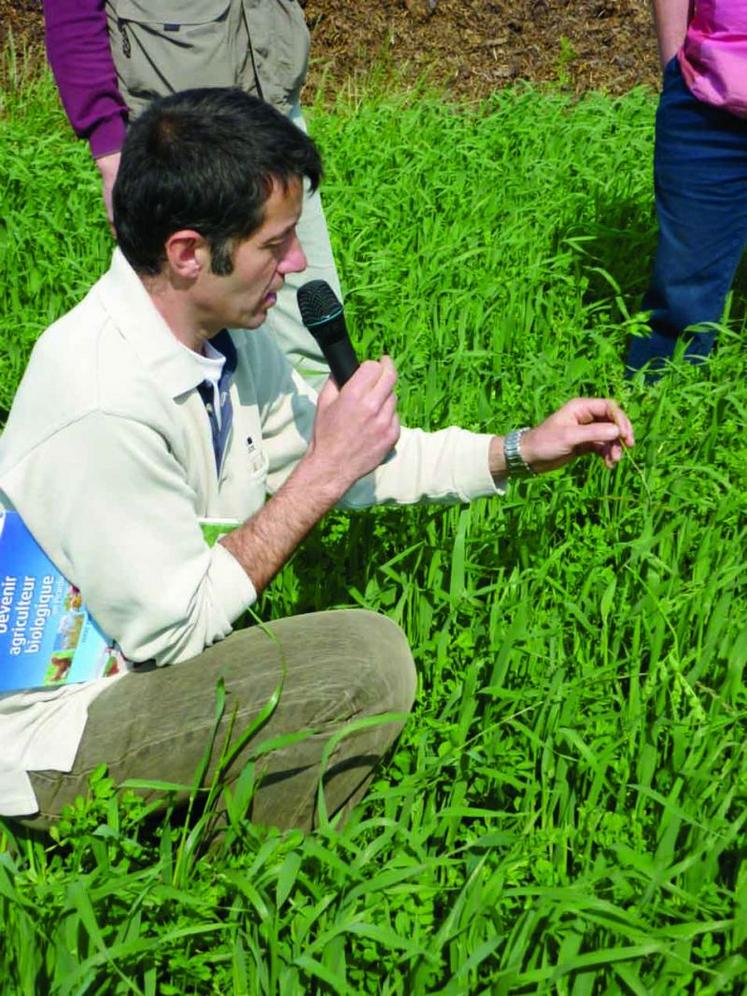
[
  {"x": 264, "y": 543},
  {"x": 671, "y": 18},
  {"x": 354, "y": 429}
]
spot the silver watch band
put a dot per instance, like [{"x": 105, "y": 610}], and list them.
[{"x": 516, "y": 465}]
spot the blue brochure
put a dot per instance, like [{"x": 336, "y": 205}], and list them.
[{"x": 47, "y": 636}]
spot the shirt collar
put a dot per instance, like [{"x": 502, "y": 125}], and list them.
[{"x": 132, "y": 311}]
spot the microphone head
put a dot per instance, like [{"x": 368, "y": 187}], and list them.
[{"x": 317, "y": 303}]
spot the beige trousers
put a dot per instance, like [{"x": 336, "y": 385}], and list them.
[{"x": 335, "y": 667}]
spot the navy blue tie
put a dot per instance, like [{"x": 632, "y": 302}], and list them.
[{"x": 224, "y": 344}]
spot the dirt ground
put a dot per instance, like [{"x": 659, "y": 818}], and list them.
[{"x": 470, "y": 47}]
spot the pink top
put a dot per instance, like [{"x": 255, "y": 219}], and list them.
[{"x": 714, "y": 57}]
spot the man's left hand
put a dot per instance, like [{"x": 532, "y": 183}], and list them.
[{"x": 584, "y": 425}]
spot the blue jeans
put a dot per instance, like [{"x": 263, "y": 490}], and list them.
[{"x": 700, "y": 177}]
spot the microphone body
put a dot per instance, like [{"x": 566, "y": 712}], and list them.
[{"x": 323, "y": 316}]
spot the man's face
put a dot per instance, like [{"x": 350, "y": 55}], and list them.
[{"x": 260, "y": 264}]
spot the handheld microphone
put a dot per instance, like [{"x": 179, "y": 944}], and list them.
[{"x": 323, "y": 316}]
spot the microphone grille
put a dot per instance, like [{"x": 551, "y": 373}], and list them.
[{"x": 317, "y": 301}]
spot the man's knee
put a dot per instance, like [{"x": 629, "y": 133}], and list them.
[{"x": 391, "y": 672}]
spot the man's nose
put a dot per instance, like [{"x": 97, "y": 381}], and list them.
[{"x": 294, "y": 260}]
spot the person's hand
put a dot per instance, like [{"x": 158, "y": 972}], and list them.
[
  {"x": 107, "y": 167},
  {"x": 356, "y": 426},
  {"x": 584, "y": 425}
]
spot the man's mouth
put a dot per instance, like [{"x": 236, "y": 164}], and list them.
[{"x": 272, "y": 295}]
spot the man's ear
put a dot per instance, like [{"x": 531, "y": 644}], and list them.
[{"x": 187, "y": 254}]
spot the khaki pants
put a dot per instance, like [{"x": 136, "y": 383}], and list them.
[{"x": 339, "y": 666}]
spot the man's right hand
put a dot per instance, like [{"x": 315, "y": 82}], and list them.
[
  {"x": 356, "y": 426},
  {"x": 354, "y": 429}
]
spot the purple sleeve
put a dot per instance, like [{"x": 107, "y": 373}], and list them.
[{"x": 78, "y": 50}]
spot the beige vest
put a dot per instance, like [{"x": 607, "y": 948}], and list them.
[{"x": 161, "y": 46}]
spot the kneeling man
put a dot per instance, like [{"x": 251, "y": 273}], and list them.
[{"x": 161, "y": 400}]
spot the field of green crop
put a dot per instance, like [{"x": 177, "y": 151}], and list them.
[{"x": 565, "y": 812}]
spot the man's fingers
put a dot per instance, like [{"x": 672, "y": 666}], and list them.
[
  {"x": 329, "y": 393},
  {"x": 364, "y": 377},
  {"x": 387, "y": 378},
  {"x": 611, "y": 452},
  {"x": 372, "y": 383},
  {"x": 595, "y": 433},
  {"x": 600, "y": 410},
  {"x": 623, "y": 423},
  {"x": 588, "y": 409}
]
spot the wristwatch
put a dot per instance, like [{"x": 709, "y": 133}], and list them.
[{"x": 516, "y": 465}]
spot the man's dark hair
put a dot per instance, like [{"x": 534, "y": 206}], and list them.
[{"x": 204, "y": 159}]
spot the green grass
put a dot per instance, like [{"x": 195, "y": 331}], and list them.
[{"x": 565, "y": 812}]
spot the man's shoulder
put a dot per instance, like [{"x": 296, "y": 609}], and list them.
[
  {"x": 73, "y": 337},
  {"x": 258, "y": 358},
  {"x": 262, "y": 367},
  {"x": 82, "y": 354},
  {"x": 80, "y": 365},
  {"x": 255, "y": 344}
]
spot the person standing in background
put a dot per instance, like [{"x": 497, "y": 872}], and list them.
[
  {"x": 110, "y": 58},
  {"x": 700, "y": 175}
]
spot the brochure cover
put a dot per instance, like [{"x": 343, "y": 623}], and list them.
[{"x": 47, "y": 637}]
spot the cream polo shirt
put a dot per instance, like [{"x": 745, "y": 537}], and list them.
[{"x": 107, "y": 455}]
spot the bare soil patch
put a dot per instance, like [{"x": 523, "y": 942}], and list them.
[{"x": 473, "y": 48}]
